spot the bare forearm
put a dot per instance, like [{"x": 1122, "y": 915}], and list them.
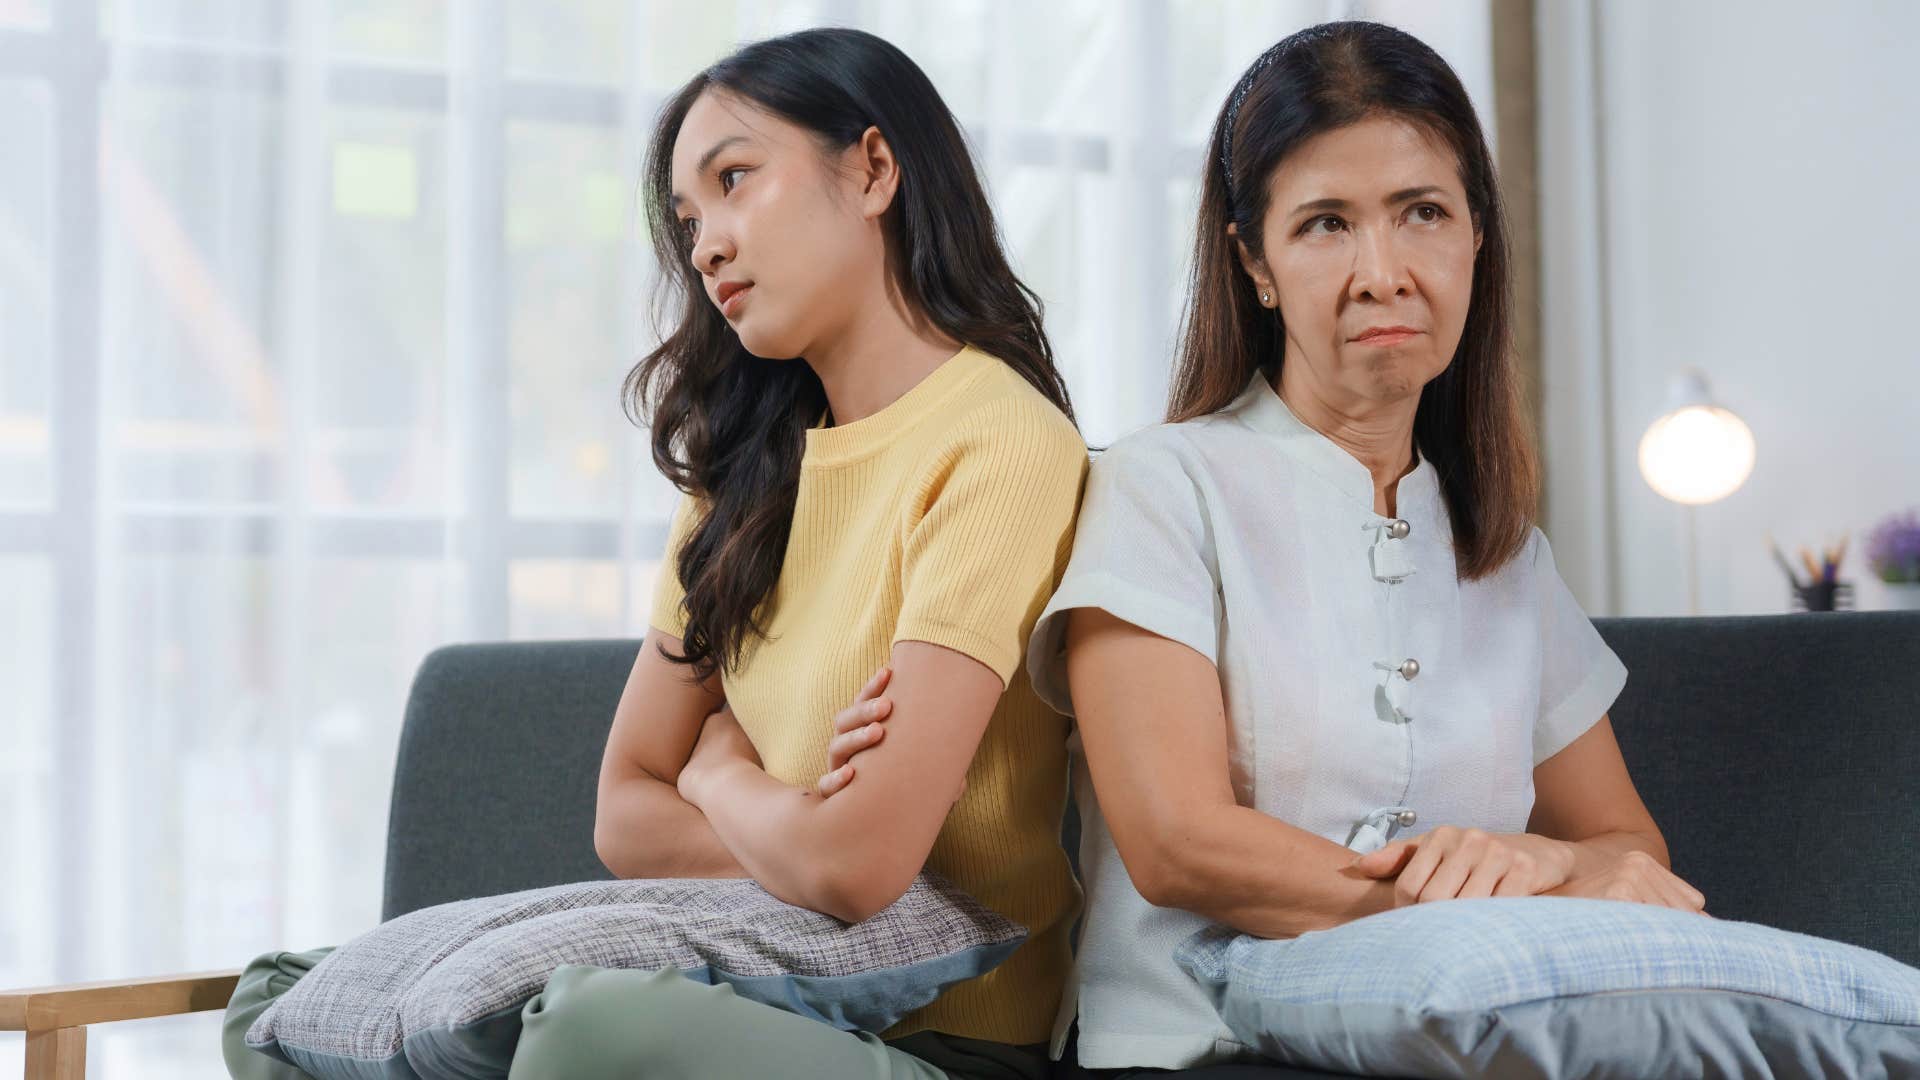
[
  {"x": 1298, "y": 882},
  {"x": 1597, "y": 853},
  {"x": 644, "y": 829},
  {"x": 774, "y": 831}
]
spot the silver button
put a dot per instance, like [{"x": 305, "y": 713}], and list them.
[
  {"x": 1398, "y": 528},
  {"x": 1410, "y": 669},
  {"x": 1406, "y": 818}
]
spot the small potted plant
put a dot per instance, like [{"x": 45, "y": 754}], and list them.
[{"x": 1893, "y": 552}]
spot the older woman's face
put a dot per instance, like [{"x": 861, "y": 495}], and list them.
[{"x": 1368, "y": 254}]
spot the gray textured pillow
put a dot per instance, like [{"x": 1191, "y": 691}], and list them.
[{"x": 438, "y": 992}]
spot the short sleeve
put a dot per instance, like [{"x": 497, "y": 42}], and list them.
[
  {"x": 1579, "y": 675},
  {"x": 1143, "y": 553},
  {"x": 993, "y": 523},
  {"x": 668, "y": 615}
]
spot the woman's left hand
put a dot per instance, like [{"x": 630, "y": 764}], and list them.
[
  {"x": 722, "y": 743},
  {"x": 1451, "y": 862},
  {"x": 858, "y": 727}
]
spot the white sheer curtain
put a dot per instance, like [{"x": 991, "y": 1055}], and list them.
[{"x": 312, "y": 322}]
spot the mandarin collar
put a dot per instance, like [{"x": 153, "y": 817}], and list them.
[{"x": 1260, "y": 408}]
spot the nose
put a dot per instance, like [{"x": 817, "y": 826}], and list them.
[
  {"x": 1379, "y": 273},
  {"x": 711, "y": 250}
]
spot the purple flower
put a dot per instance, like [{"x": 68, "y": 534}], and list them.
[{"x": 1893, "y": 548}]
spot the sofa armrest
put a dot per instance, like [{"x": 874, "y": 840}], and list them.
[
  {"x": 55, "y": 1018},
  {"x": 44, "y": 1008}
]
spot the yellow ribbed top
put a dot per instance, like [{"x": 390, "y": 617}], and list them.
[{"x": 946, "y": 517}]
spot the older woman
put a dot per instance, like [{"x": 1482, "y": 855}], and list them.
[{"x": 1320, "y": 659}]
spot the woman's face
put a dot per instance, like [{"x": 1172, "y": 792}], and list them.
[
  {"x": 1368, "y": 255},
  {"x": 787, "y": 242}
]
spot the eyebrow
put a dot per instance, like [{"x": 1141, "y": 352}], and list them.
[
  {"x": 1397, "y": 197},
  {"x": 706, "y": 159}
]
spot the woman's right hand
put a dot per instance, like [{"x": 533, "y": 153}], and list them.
[
  {"x": 859, "y": 726},
  {"x": 1451, "y": 862},
  {"x": 1639, "y": 878}
]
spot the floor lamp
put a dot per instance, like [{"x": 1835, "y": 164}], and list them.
[{"x": 1696, "y": 453}]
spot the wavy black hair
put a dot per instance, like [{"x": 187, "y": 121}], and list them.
[{"x": 728, "y": 427}]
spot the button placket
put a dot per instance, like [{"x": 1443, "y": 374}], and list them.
[{"x": 1391, "y": 564}]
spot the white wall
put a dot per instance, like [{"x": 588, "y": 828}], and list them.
[{"x": 1730, "y": 185}]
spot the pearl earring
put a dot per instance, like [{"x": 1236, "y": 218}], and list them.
[{"x": 1266, "y": 298}]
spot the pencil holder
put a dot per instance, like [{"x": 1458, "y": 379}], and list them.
[{"x": 1823, "y": 596}]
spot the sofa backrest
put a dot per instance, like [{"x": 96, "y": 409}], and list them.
[
  {"x": 1780, "y": 756},
  {"x": 493, "y": 788}
]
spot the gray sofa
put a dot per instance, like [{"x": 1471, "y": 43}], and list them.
[{"x": 1780, "y": 755}]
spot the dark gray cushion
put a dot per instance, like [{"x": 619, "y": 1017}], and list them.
[
  {"x": 1780, "y": 756},
  {"x": 494, "y": 786}
]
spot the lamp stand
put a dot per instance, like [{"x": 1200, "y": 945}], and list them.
[{"x": 1693, "y": 559}]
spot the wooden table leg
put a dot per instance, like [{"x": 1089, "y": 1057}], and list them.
[{"x": 59, "y": 1054}]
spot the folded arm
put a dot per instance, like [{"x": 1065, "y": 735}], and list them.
[
  {"x": 642, "y": 828},
  {"x": 855, "y": 853}
]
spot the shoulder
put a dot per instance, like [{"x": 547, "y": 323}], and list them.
[
  {"x": 1001, "y": 418},
  {"x": 1193, "y": 456},
  {"x": 1158, "y": 448},
  {"x": 1535, "y": 556}
]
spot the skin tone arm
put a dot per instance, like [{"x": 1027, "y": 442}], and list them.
[
  {"x": 1589, "y": 835},
  {"x": 642, "y": 828},
  {"x": 852, "y": 855},
  {"x": 1154, "y": 729},
  {"x": 1185, "y": 841}
]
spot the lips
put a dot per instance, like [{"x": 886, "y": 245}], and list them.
[
  {"x": 728, "y": 295},
  {"x": 1384, "y": 335}
]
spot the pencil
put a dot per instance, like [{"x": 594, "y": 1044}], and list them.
[
  {"x": 1785, "y": 567},
  {"x": 1813, "y": 571}
]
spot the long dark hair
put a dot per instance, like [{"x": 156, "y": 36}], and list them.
[
  {"x": 1470, "y": 423},
  {"x": 728, "y": 427}
]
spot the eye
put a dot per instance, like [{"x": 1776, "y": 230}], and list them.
[
  {"x": 1314, "y": 225},
  {"x": 730, "y": 177},
  {"x": 1427, "y": 213},
  {"x": 690, "y": 226}
]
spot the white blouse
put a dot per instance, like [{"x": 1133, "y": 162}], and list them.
[{"x": 1370, "y": 692}]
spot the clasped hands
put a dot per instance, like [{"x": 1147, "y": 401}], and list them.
[{"x": 1449, "y": 862}]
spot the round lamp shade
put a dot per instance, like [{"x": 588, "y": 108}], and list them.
[{"x": 1697, "y": 454}]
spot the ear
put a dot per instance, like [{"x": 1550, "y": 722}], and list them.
[
  {"x": 1255, "y": 268},
  {"x": 877, "y": 171}
]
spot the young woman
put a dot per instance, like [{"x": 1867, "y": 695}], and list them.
[
  {"x": 881, "y": 476},
  {"x": 1312, "y": 611}
]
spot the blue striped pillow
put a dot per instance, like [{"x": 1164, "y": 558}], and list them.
[{"x": 1560, "y": 987}]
